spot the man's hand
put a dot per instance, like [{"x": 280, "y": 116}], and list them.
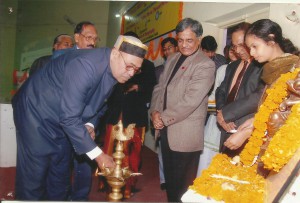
[
  {"x": 226, "y": 126},
  {"x": 130, "y": 87},
  {"x": 157, "y": 121},
  {"x": 237, "y": 139},
  {"x": 133, "y": 87},
  {"x": 91, "y": 131},
  {"x": 247, "y": 124},
  {"x": 105, "y": 161}
]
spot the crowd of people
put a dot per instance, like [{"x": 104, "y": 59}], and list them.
[{"x": 69, "y": 91}]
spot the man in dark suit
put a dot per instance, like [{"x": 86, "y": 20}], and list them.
[
  {"x": 238, "y": 95},
  {"x": 179, "y": 106},
  {"x": 52, "y": 108}
]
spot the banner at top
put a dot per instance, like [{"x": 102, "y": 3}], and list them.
[{"x": 152, "y": 19}]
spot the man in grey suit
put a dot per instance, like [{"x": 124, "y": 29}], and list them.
[
  {"x": 238, "y": 95},
  {"x": 178, "y": 108}
]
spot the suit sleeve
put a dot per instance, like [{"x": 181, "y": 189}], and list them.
[
  {"x": 246, "y": 105},
  {"x": 221, "y": 91},
  {"x": 78, "y": 80},
  {"x": 155, "y": 99},
  {"x": 196, "y": 90}
]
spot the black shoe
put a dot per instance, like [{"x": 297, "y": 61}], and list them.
[{"x": 163, "y": 186}]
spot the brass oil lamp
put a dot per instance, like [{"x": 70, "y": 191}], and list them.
[{"x": 116, "y": 178}]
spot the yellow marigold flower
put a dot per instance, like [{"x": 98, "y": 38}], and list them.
[{"x": 275, "y": 95}]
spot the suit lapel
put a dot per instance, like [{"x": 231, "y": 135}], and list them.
[
  {"x": 247, "y": 73},
  {"x": 185, "y": 65},
  {"x": 172, "y": 66},
  {"x": 231, "y": 75},
  {"x": 182, "y": 68}
]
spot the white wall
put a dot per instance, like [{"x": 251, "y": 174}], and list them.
[
  {"x": 290, "y": 30},
  {"x": 8, "y": 146}
]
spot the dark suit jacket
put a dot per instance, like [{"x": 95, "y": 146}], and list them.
[
  {"x": 60, "y": 98},
  {"x": 39, "y": 63},
  {"x": 133, "y": 105},
  {"x": 248, "y": 96}
]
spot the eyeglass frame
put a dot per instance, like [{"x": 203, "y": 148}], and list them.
[
  {"x": 89, "y": 38},
  {"x": 234, "y": 47},
  {"x": 135, "y": 69}
]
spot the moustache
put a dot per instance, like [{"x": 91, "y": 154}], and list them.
[{"x": 91, "y": 46}]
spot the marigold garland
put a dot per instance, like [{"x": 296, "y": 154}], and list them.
[
  {"x": 275, "y": 95},
  {"x": 284, "y": 143},
  {"x": 212, "y": 187}
]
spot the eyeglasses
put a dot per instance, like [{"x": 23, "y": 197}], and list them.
[
  {"x": 90, "y": 38},
  {"x": 130, "y": 67},
  {"x": 234, "y": 47}
]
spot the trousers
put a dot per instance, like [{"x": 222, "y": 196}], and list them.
[
  {"x": 82, "y": 178},
  {"x": 45, "y": 177},
  {"x": 180, "y": 169}
]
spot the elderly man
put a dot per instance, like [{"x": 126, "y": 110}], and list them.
[
  {"x": 178, "y": 108},
  {"x": 52, "y": 108}
]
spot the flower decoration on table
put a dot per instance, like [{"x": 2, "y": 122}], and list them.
[
  {"x": 284, "y": 143},
  {"x": 275, "y": 95},
  {"x": 234, "y": 183}
]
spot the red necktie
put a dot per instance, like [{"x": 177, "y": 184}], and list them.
[{"x": 236, "y": 86}]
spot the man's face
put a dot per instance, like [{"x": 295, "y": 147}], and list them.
[
  {"x": 168, "y": 49},
  {"x": 239, "y": 46},
  {"x": 124, "y": 65},
  {"x": 64, "y": 43},
  {"x": 188, "y": 42},
  {"x": 88, "y": 38},
  {"x": 209, "y": 54}
]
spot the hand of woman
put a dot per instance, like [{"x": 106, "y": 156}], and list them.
[{"x": 237, "y": 139}]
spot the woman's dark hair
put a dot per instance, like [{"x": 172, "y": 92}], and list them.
[{"x": 268, "y": 30}]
